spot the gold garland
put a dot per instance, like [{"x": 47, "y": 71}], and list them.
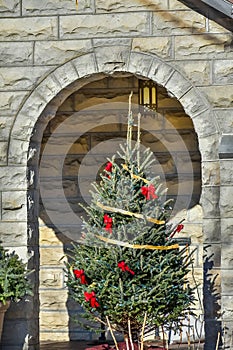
[
  {"x": 137, "y": 246},
  {"x": 124, "y": 166},
  {"x": 125, "y": 212}
]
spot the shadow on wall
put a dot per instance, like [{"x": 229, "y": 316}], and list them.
[{"x": 212, "y": 316}]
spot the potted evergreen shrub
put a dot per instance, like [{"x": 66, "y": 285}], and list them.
[
  {"x": 129, "y": 273},
  {"x": 14, "y": 284}
]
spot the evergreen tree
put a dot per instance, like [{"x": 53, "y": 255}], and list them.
[{"x": 129, "y": 272}]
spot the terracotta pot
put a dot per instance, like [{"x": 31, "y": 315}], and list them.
[{"x": 3, "y": 309}]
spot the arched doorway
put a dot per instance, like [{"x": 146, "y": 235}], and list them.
[
  {"x": 87, "y": 129},
  {"x": 41, "y": 106}
]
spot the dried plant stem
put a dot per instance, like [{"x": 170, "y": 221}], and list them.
[
  {"x": 127, "y": 343},
  {"x": 130, "y": 125},
  {"x": 138, "y": 140},
  {"x": 130, "y": 335},
  {"x": 218, "y": 339},
  {"x": 112, "y": 334},
  {"x": 143, "y": 330}
]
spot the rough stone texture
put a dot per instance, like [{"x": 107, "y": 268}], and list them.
[
  {"x": 14, "y": 53},
  {"x": 186, "y": 22},
  {"x": 162, "y": 40},
  {"x": 203, "y": 46},
  {"x": 9, "y": 8},
  {"x": 24, "y": 78},
  {"x": 122, "y": 24},
  {"x": 161, "y": 46},
  {"x": 225, "y": 120},
  {"x": 127, "y": 5},
  {"x": 57, "y": 52},
  {"x": 223, "y": 72},
  {"x": 23, "y": 29}
]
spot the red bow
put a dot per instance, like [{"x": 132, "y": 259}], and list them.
[
  {"x": 80, "y": 274},
  {"x": 149, "y": 192},
  {"x": 91, "y": 298},
  {"x": 122, "y": 265},
  {"x": 108, "y": 168},
  {"x": 179, "y": 228},
  {"x": 108, "y": 223}
]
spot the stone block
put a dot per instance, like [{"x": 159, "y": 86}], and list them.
[
  {"x": 15, "y": 53},
  {"x": 198, "y": 71},
  {"x": 50, "y": 320},
  {"x": 210, "y": 173},
  {"x": 12, "y": 178},
  {"x": 205, "y": 123},
  {"x": 25, "y": 78},
  {"x": 161, "y": 46},
  {"x": 48, "y": 236},
  {"x": 193, "y": 102},
  {"x": 209, "y": 147},
  {"x": 219, "y": 96},
  {"x": 210, "y": 201},
  {"x": 226, "y": 171},
  {"x": 227, "y": 257},
  {"x": 52, "y": 277},
  {"x": 14, "y": 205},
  {"x": 225, "y": 203},
  {"x": 18, "y": 152},
  {"x": 177, "y": 22},
  {"x": 13, "y": 233},
  {"x": 33, "y": 28},
  {"x": 212, "y": 252},
  {"x": 66, "y": 74},
  {"x": 46, "y": 7},
  {"x": 10, "y": 8},
  {"x": 227, "y": 302},
  {"x": 202, "y": 46},
  {"x": 223, "y": 72},
  {"x": 211, "y": 230},
  {"x": 5, "y": 127},
  {"x": 85, "y": 65},
  {"x": 227, "y": 278},
  {"x": 47, "y": 336},
  {"x": 53, "y": 300},
  {"x": 128, "y": 6},
  {"x": 177, "y": 85},
  {"x": 58, "y": 52},
  {"x": 112, "y": 60},
  {"x": 160, "y": 72},
  {"x": 224, "y": 119},
  {"x": 10, "y": 101},
  {"x": 120, "y": 24},
  {"x": 176, "y": 5},
  {"x": 139, "y": 64},
  {"x": 3, "y": 152}
]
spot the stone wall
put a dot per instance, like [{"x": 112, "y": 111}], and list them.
[{"x": 49, "y": 50}]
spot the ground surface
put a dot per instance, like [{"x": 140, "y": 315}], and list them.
[{"x": 81, "y": 345}]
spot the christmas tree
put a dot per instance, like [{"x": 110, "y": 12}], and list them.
[{"x": 129, "y": 272}]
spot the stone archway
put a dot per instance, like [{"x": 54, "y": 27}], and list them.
[{"x": 41, "y": 106}]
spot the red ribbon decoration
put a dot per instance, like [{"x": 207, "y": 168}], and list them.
[
  {"x": 81, "y": 275},
  {"x": 178, "y": 229},
  {"x": 149, "y": 192},
  {"x": 122, "y": 265},
  {"x": 108, "y": 223},
  {"x": 108, "y": 168},
  {"x": 92, "y": 299}
]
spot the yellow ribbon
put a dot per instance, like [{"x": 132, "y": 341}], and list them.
[
  {"x": 124, "y": 166},
  {"x": 125, "y": 212},
  {"x": 137, "y": 246}
]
